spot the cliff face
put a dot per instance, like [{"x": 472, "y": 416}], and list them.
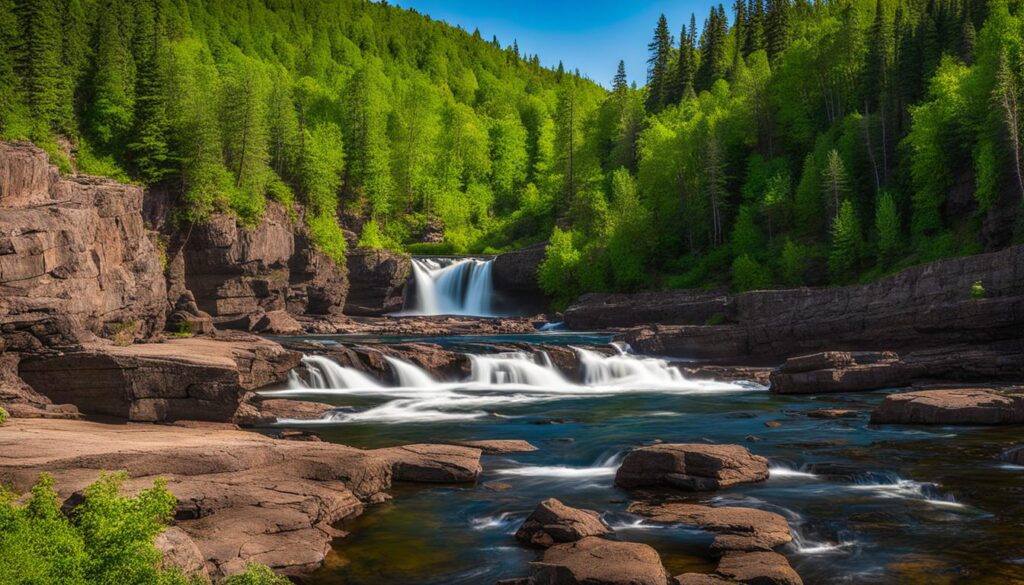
[
  {"x": 921, "y": 307},
  {"x": 76, "y": 259}
]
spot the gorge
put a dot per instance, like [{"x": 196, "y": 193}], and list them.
[{"x": 762, "y": 437}]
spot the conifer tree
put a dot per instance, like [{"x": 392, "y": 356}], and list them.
[
  {"x": 834, "y": 181},
  {"x": 11, "y": 115},
  {"x": 658, "y": 50},
  {"x": 754, "y": 38},
  {"x": 567, "y": 143},
  {"x": 846, "y": 244},
  {"x": 683, "y": 85},
  {"x": 149, "y": 150},
  {"x": 110, "y": 110},
  {"x": 887, "y": 227},
  {"x": 776, "y": 28},
  {"x": 38, "y": 59}
]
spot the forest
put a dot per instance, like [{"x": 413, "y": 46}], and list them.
[{"x": 783, "y": 143}]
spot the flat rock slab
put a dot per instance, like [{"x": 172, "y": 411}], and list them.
[
  {"x": 553, "y": 522},
  {"x": 596, "y": 561},
  {"x": 736, "y": 529},
  {"x": 833, "y": 413},
  {"x": 690, "y": 467},
  {"x": 758, "y": 568},
  {"x": 499, "y": 446},
  {"x": 959, "y": 406},
  {"x": 242, "y": 497}
]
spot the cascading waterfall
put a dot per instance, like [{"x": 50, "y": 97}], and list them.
[
  {"x": 451, "y": 286},
  {"x": 495, "y": 380}
]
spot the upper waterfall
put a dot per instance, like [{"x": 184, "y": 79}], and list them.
[{"x": 451, "y": 286}]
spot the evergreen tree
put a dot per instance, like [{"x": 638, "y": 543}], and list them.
[
  {"x": 846, "y": 244},
  {"x": 620, "y": 84},
  {"x": 968, "y": 37},
  {"x": 658, "y": 81},
  {"x": 754, "y": 38},
  {"x": 11, "y": 114},
  {"x": 887, "y": 228},
  {"x": 149, "y": 150},
  {"x": 834, "y": 182},
  {"x": 776, "y": 28},
  {"x": 38, "y": 59},
  {"x": 568, "y": 126},
  {"x": 713, "y": 64},
  {"x": 110, "y": 110},
  {"x": 683, "y": 85}
]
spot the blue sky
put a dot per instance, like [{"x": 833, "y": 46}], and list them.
[{"x": 589, "y": 35}]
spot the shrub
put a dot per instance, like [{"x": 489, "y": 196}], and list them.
[
  {"x": 792, "y": 263},
  {"x": 559, "y": 272},
  {"x": 124, "y": 333},
  {"x": 977, "y": 290},
  {"x": 3, "y": 415},
  {"x": 327, "y": 236},
  {"x": 256, "y": 575},
  {"x": 846, "y": 244},
  {"x": 748, "y": 274}
]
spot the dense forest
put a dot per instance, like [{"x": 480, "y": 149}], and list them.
[{"x": 783, "y": 143}]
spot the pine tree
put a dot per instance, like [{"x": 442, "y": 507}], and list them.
[
  {"x": 714, "y": 182},
  {"x": 75, "y": 56},
  {"x": 244, "y": 120},
  {"x": 713, "y": 63},
  {"x": 149, "y": 150},
  {"x": 11, "y": 116},
  {"x": 567, "y": 143},
  {"x": 38, "y": 58},
  {"x": 110, "y": 108},
  {"x": 834, "y": 181},
  {"x": 657, "y": 67},
  {"x": 846, "y": 244},
  {"x": 776, "y": 28},
  {"x": 887, "y": 228},
  {"x": 620, "y": 84},
  {"x": 754, "y": 39},
  {"x": 968, "y": 39},
  {"x": 739, "y": 30},
  {"x": 683, "y": 85}
]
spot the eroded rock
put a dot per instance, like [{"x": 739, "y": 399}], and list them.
[
  {"x": 690, "y": 466},
  {"x": 735, "y": 528},
  {"x": 377, "y": 281},
  {"x": 758, "y": 568},
  {"x": 552, "y": 522},
  {"x": 596, "y": 561},
  {"x": 957, "y": 406},
  {"x": 499, "y": 446}
]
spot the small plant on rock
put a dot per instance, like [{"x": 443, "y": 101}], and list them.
[
  {"x": 3, "y": 416},
  {"x": 977, "y": 291},
  {"x": 124, "y": 333}
]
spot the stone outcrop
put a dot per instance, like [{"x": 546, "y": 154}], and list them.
[
  {"x": 20, "y": 400},
  {"x": 552, "y": 522},
  {"x": 735, "y": 529},
  {"x": 433, "y": 463},
  {"x": 744, "y": 538},
  {"x": 516, "y": 272},
  {"x": 199, "y": 378},
  {"x": 499, "y": 446},
  {"x": 242, "y": 497},
  {"x": 865, "y": 370},
  {"x": 1014, "y": 455},
  {"x": 923, "y": 307},
  {"x": 257, "y": 410},
  {"x": 76, "y": 259},
  {"x": 690, "y": 467},
  {"x": 238, "y": 273},
  {"x": 596, "y": 561},
  {"x": 377, "y": 281},
  {"x": 957, "y": 406}
]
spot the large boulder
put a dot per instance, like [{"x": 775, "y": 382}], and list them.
[
  {"x": 736, "y": 529},
  {"x": 76, "y": 259},
  {"x": 596, "y": 561},
  {"x": 836, "y": 371},
  {"x": 180, "y": 552},
  {"x": 952, "y": 406},
  {"x": 758, "y": 568},
  {"x": 433, "y": 463},
  {"x": 199, "y": 378},
  {"x": 377, "y": 280},
  {"x": 690, "y": 467},
  {"x": 552, "y": 522}
]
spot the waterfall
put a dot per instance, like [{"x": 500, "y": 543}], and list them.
[
  {"x": 601, "y": 370},
  {"x": 326, "y": 373},
  {"x": 410, "y": 376},
  {"x": 516, "y": 368},
  {"x": 451, "y": 286}
]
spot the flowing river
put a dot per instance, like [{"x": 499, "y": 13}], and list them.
[{"x": 866, "y": 504}]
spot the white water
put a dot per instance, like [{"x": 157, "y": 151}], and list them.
[
  {"x": 496, "y": 380},
  {"x": 889, "y": 485},
  {"x": 605, "y": 466},
  {"x": 451, "y": 286}
]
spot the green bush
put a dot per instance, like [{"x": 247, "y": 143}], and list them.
[
  {"x": 431, "y": 248},
  {"x": 977, "y": 290},
  {"x": 256, "y": 575},
  {"x": 3, "y": 415},
  {"x": 327, "y": 235},
  {"x": 748, "y": 274}
]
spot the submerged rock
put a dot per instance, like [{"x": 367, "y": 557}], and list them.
[
  {"x": 596, "y": 561},
  {"x": 434, "y": 463},
  {"x": 690, "y": 467},
  {"x": 552, "y": 522},
  {"x": 499, "y": 446},
  {"x": 959, "y": 406}
]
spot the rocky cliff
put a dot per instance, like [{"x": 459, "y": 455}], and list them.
[
  {"x": 922, "y": 307},
  {"x": 76, "y": 259}
]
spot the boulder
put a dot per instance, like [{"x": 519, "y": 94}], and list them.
[
  {"x": 200, "y": 378},
  {"x": 377, "y": 280},
  {"x": 499, "y": 446},
  {"x": 736, "y": 529},
  {"x": 596, "y": 561},
  {"x": 836, "y": 371},
  {"x": 552, "y": 522},
  {"x": 833, "y": 413},
  {"x": 76, "y": 260},
  {"x": 955, "y": 406},
  {"x": 277, "y": 323},
  {"x": 180, "y": 551},
  {"x": 690, "y": 467},
  {"x": 433, "y": 463},
  {"x": 758, "y": 568},
  {"x": 257, "y": 410},
  {"x": 699, "y": 579}
]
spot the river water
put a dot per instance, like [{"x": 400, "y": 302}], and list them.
[{"x": 887, "y": 504}]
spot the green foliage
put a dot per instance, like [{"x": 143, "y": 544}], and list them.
[
  {"x": 256, "y": 575},
  {"x": 558, "y": 274},
  {"x": 107, "y": 539},
  {"x": 327, "y": 235},
  {"x": 977, "y": 290},
  {"x": 845, "y": 252},
  {"x": 749, "y": 274},
  {"x": 792, "y": 263},
  {"x": 3, "y": 416},
  {"x": 887, "y": 228}
]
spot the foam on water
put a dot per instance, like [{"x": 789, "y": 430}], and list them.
[
  {"x": 605, "y": 466},
  {"x": 891, "y": 485},
  {"x": 781, "y": 470}
]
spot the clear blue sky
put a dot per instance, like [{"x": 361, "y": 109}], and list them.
[{"x": 590, "y": 35}]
